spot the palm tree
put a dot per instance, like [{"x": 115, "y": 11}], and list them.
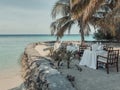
[
  {"x": 61, "y": 25},
  {"x": 81, "y": 11},
  {"x": 109, "y": 15},
  {"x": 95, "y": 12},
  {"x": 110, "y": 22}
]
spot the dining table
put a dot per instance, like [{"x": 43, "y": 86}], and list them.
[
  {"x": 72, "y": 48},
  {"x": 90, "y": 56}
]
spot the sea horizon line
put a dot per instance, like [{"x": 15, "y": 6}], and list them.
[{"x": 33, "y": 34}]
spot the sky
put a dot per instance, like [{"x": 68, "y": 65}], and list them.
[{"x": 25, "y": 16}]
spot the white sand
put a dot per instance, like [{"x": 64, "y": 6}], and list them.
[
  {"x": 42, "y": 51},
  {"x": 10, "y": 79}
]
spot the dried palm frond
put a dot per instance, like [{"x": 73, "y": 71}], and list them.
[
  {"x": 78, "y": 7},
  {"x": 91, "y": 9}
]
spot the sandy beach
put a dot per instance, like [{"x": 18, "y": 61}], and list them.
[{"x": 10, "y": 79}]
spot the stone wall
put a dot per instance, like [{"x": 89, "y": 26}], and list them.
[{"x": 39, "y": 73}]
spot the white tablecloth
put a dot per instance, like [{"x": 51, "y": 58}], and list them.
[
  {"x": 72, "y": 48},
  {"x": 89, "y": 58},
  {"x": 97, "y": 47}
]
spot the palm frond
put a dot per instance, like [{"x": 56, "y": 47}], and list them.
[
  {"x": 91, "y": 8},
  {"x": 64, "y": 28},
  {"x": 63, "y": 20},
  {"x": 111, "y": 19},
  {"x": 56, "y": 25},
  {"x": 78, "y": 8},
  {"x": 60, "y": 8},
  {"x": 87, "y": 29},
  {"x": 53, "y": 27},
  {"x": 74, "y": 2},
  {"x": 104, "y": 14}
]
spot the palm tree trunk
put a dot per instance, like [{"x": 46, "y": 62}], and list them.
[
  {"x": 81, "y": 31},
  {"x": 82, "y": 34},
  {"x": 57, "y": 39}
]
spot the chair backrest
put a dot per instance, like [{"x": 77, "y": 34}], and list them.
[
  {"x": 113, "y": 56},
  {"x": 107, "y": 48},
  {"x": 82, "y": 48}
]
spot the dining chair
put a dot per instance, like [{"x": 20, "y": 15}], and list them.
[
  {"x": 107, "y": 48},
  {"x": 110, "y": 59},
  {"x": 81, "y": 50}
]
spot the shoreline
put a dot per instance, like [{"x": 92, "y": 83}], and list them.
[{"x": 10, "y": 78}]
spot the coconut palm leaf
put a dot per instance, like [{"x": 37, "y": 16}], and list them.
[
  {"x": 78, "y": 7},
  {"x": 53, "y": 27},
  {"x": 60, "y": 8},
  {"x": 107, "y": 22},
  {"x": 56, "y": 25},
  {"x": 91, "y": 8},
  {"x": 87, "y": 29},
  {"x": 63, "y": 29},
  {"x": 63, "y": 20},
  {"x": 111, "y": 19},
  {"x": 95, "y": 12}
]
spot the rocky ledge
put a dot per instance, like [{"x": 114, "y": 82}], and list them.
[{"x": 39, "y": 73}]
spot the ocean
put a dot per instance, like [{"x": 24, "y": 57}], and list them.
[{"x": 12, "y": 47}]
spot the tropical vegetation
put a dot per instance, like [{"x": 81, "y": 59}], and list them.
[
  {"x": 102, "y": 14},
  {"x": 107, "y": 35},
  {"x": 62, "y": 54}
]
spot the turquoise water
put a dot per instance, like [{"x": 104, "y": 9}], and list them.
[{"x": 12, "y": 47}]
